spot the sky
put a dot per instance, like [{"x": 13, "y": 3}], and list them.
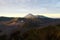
[{"x": 20, "y": 8}]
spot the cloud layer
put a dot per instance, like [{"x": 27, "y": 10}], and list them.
[{"x": 38, "y": 6}]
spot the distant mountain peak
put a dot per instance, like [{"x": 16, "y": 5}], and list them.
[{"x": 30, "y": 16}]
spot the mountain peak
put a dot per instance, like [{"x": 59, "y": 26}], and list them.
[{"x": 29, "y": 16}]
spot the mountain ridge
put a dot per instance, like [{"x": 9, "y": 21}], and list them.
[{"x": 9, "y": 25}]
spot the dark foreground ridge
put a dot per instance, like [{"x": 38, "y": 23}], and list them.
[{"x": 30, "y": 27}]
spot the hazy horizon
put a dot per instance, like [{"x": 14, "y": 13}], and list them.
[
  {"x": 20, "y": 8},
  {"x": 24, "y": 14}
]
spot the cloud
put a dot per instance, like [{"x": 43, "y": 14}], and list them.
[
  {"x": 58, "y": 5},
  {"x": 13, "y": 1},
  {"x": 39, "y": 6}
]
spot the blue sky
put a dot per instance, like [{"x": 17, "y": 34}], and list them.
[{"x": 29, "y": 6}]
